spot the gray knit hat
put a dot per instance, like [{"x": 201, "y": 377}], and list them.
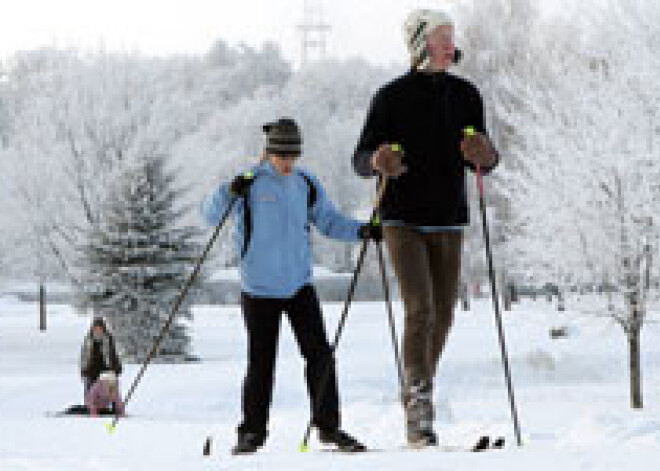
[{"x": 283, "y": 138}]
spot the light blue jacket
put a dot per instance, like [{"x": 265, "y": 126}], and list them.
[{"x": 278, "y": 261}]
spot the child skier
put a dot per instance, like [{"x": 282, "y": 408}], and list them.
[{"x": 276, "y": 203}]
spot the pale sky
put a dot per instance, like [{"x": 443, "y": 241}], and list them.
[{"x": 366, "y": 28}]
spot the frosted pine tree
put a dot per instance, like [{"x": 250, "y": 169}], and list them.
[{"x": 137, "y": 259}]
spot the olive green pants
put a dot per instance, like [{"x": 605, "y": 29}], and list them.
[{"x": 427, "y": 266}]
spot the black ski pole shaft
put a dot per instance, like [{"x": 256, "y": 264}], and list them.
[
  {"x": 342, "y": 319},
  {"x": 333, "y": 346},
  {"x": 175, "y": 307},
  {"x": 496, "y": 305},
  {"x": 390, "y": 314}
]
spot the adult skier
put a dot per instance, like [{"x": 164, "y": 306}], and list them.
[{"x": 424, "y": 209}]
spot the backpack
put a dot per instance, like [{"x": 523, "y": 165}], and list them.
[{"x": 247, "y": 212}]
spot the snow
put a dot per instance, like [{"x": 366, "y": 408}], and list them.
[
  {"x": 572, "y": 396},
  {"x": 232, "y": 274},
  {"x": 225, "y": 274}
]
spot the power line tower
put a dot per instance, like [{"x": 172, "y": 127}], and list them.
[{"x": 313, "y": 32}]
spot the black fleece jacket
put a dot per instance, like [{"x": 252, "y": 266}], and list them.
[{"x": 425, "y": 113}]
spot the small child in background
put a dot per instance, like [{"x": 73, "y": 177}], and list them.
[{"x": 103, "y": 395}]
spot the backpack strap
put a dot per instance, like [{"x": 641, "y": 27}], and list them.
[
  {"x": 247, "y": 224},
  {"x": 247, "y": 212},
  {"x": 311, "y": 194}
]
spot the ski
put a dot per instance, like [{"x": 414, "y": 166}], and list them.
[
  {"x": 483, "y": 443},
  {"x": 79, "y": 411}
]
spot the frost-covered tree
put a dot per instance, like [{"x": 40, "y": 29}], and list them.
[
  {"x": 5, "y": 115},
  {"x": 76, "y": 117},
  {"x": 137, "y": 258},
  {"x": 582, "y": 186},
  {"x": 494, "y": 36}
]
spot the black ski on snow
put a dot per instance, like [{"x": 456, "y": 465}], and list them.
[
  {"x": 79, "y": 411},
  {"x": 484, "y": 443}
]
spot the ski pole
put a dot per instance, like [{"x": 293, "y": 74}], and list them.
[
  {"x": 304, "y": 444},
  {"x": 469, "y": 131},
  {"x": 386, "y": 287},
  {"x": 175, "y": 307},
  {"x": 390, "y": 315}
]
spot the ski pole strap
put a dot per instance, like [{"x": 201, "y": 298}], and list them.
[
  {"x": 382, "y": 185},
  {"x": 469, "y": 131},
  {"x": 382, "y": 182},
  {"x": 480, "y": 180}
]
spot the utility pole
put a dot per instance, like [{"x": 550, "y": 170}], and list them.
[{"x": 313, "y": 32}]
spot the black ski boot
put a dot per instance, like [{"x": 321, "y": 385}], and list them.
[
  {"x": 482, "y": 444},
  {"x": 341, "y": 439},
  {"x": 248, "y": 443},
  {"x": 498, "y": 443}
]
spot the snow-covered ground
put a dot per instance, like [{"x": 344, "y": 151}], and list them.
[
  {"x": 232, "y": 274},
  {"x": 572, "y": 396}
]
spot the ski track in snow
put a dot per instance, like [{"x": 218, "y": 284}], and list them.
[{"x": 572, "y": 396}]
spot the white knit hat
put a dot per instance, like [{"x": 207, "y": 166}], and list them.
[
  {"x": 108, "y": 376},
  {"x": 418, "y": 25}
]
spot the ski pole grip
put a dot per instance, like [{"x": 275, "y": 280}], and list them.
[
  {"x": 396, "y": 147},
  {"x": 469, "y": 131}
]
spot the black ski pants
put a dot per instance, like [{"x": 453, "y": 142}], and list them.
[{"x": 262, "y": 318}]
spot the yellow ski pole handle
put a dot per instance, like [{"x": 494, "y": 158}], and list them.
[
  {"x": 469, "y": 131},
  {"x": 111, "y": 427}
]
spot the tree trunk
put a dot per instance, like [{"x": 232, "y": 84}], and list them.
[
  {"x": 465, "y": 297},
  {"x": 501, "y": 283},
  {"x": 513, "y": 293},
  {"x": 561, "y": 303},
  {"x": 635, "y": 370},
  {"x": 506, "y": 293},
  {"x": 42, "y": 307}
]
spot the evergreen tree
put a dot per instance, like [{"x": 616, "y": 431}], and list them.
[{"x": 138, "y": 257}]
